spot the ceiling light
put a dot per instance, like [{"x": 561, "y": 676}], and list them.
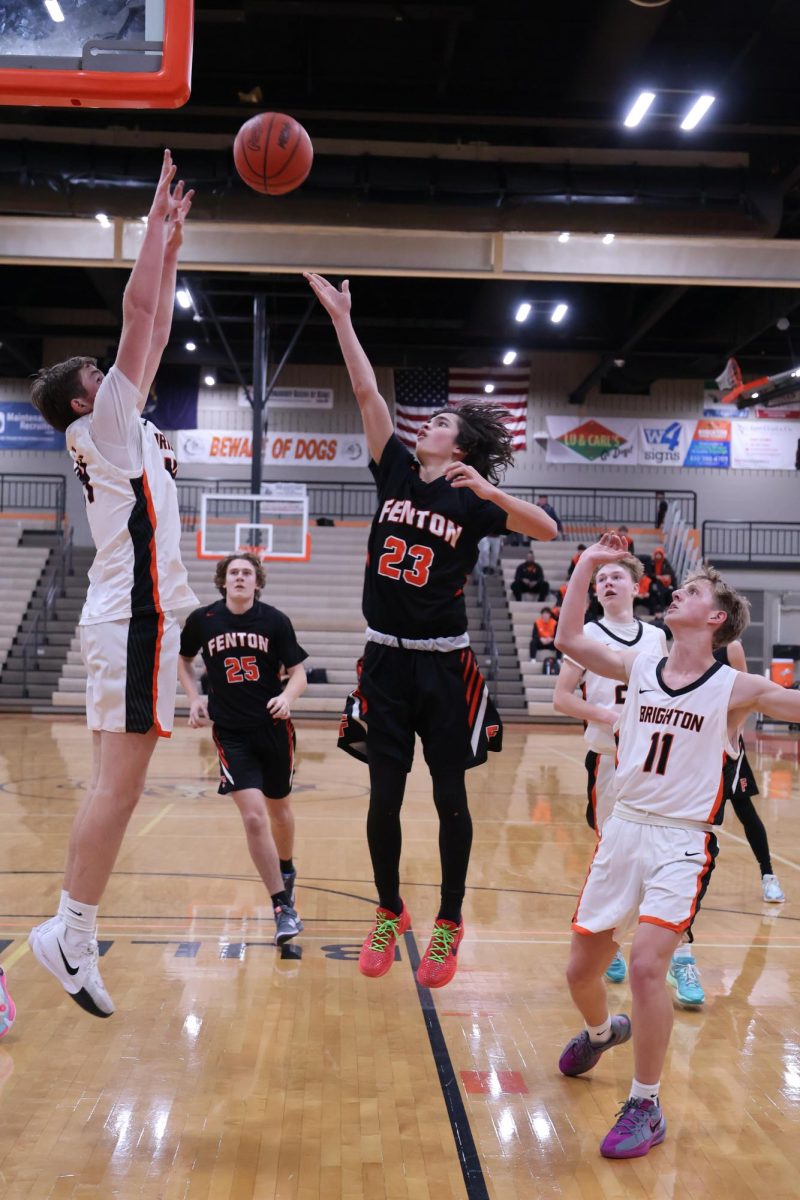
[
  {"x": 608, "y": 239},
  {"x": 523, "y": 312},
  {"x": 558, "y": 313},
  {"x": 638, "y": 109},
  {"x": 54, "y": 9},
  {"x": 103, "y": 219},
  {"x": 697, "y": 111},
  {"x": 191, "y": 345},
  {"x": 184, "y": 298},
  {"x": 509, "y": 357},
  {"x": 488, "y": 388},
  {"x": 754, "y": 396},
  {"x": 210, "y": 380},
  {"x": 563, "y": 237}
]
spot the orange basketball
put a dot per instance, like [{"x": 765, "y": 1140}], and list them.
[{"x": 273, "y": 153}]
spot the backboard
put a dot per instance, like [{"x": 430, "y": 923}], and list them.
[
  {"x": 272, "y": 525},
  {"x": 96, "y": 53}
]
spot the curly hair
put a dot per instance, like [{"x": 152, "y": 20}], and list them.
[
  {"x": 222, "y": 571},
  {"x": 485, "y": 438},
  {"x": 735, "y": 606},
  {"x": 54, "y": 388}
]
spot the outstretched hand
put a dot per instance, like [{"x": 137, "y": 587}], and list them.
[
  {"x": 335, "y": 302},
  {"x": 179, "y": 205},
  {"x": 609, "y": 548},
  {"x": 460, "y": 475},
  {"x": 159, "y": 209}
]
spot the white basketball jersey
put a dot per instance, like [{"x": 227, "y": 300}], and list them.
[
  {"x": 672, "y": 744},
  {"x": 609, "y": 692},
  {"x": 133, "y": 515}
]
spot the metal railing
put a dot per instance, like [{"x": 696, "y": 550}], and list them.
[
  {"x": 773, "y": 544},
  {"x": 56, "y": 572},
  {"x": 579, "y": 509},
  {"x": 26, "y": 494},
  {"x": 680, "y": 544}
]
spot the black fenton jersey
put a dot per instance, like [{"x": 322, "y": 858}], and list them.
[
  {"x": 242, "y": 654},
  {"x": 422, "y": 546}
]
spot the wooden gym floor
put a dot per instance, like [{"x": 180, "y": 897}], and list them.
[{"x": 233, "y": 1071}]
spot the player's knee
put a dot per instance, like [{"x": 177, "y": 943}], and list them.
[
  {"x": 578, "y": 970},
  {"x": 647, "y": 970},
  {"x": 255, "y": 822}
]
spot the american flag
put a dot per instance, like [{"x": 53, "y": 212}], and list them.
[{"x": 420, "y": 391}]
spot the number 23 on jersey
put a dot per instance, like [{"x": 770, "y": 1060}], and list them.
[{"x": 395, "y": 552}]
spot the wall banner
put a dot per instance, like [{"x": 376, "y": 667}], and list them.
[
  {"x": 294, "y": 397},
  {"x": 765, "y": 445},
  {"x": 663, "y": 443},
  {"x": 300, "y": 450},
  {"x": 23, "y": 428},
  {"x": 595, "y": 441},
  {"x": 710, "y": 444}
]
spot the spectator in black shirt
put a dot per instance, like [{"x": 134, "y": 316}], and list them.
[
  {"x": 545, "y": 506},
  {"x": 529, "y": 577}
]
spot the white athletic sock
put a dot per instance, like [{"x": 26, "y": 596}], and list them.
[
  {"x": 645, "y": 1091},
  {"x": 599, "y": 1033},
  {"x": 62, "y": 904},
  {"x": 683, "y": 951},
  {"x": 79, "y": 919}
]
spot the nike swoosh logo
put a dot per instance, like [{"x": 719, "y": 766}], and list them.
[
  {"x": 644, "y": 691},
  {"x": 71, "y": 970},
  {"x": 691, "y": 853},
  {"x": 74, "y": 912}
]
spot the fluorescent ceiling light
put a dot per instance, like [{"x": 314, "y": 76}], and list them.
[
  {"x": 184, "y": 298},
  {"x": 54, "y": 9},
  {"x": 191, "y": 345},
  {"x": 210, "y": 380},
  {"x": 509, "y": 357},
  {"x": 523, "y": 312},
  {"x": 639, "y": 108},
  {"x": 488, "y": 388},
  {"x": 563, "y": 237},
  {"x": 754, "y": 396},
  {"x": 558, "y": 313},
  {"x": 608, "y": 239},
  {"x": 103, "y": 219},
  {"x": 697, "y": 111}
]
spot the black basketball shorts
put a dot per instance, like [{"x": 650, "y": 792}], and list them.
[
  {"x": 261, "y": 757},
  {"x": 442, "y": 696},
  {"x": 738, "y": 779}
]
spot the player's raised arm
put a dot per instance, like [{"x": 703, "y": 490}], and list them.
[
  {"x": 570, "y": 638},
  {"x": 752, "y": 693},
  {"x": 140, "y": 301},
  {"x": 374, "y": 409},
  {"x": 523, "y": 517},
  {"x": 179, "y": 205}
]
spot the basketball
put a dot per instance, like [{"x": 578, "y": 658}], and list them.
[{"x": 273, "y": 153}]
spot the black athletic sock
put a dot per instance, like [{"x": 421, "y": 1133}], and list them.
[
  {"x": 281, "y": 899},
  {"x": 455, "y": 841},
  {"x": 754, "y": 831},
  {"x": 387, "y": 780},
  {"x": 287, "y": 866}
]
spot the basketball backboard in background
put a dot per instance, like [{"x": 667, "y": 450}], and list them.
[
  {"x": 272, "y": 525},
  {"x": 96, "y": 53}
]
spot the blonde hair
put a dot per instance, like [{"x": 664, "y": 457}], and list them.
[
  {"x": 736, "y": 606},
  {"x": 630, "y": 562}
]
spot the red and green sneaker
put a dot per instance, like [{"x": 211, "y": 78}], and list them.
[
  {"x": 377, "y": 953},
  {"x": 439, "y": 961}
]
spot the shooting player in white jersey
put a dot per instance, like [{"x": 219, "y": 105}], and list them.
[
  {"x": 656, "y": 852},
  {"x": 137, "y": 585},
  {"x": 616, "y": 585}
]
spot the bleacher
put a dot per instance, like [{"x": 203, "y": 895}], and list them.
[{"x": 22, "y": 569}]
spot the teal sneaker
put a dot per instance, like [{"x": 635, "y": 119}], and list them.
[
  {"x": 616, "y": 969},
  {"x": 684, "y": 977}
]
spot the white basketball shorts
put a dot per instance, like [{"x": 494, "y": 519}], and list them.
[
  {"x": 645, "y": 873},
  {"x": 132, "y": 671}
]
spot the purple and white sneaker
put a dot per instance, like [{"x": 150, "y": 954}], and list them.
[
  {"x": 7, "y": 1010},
  {"x": 640, "y": 1125},
  {"x": 580, "y": 1055}
]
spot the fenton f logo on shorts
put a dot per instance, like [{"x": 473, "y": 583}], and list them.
[{"x": 593, "y": 440}]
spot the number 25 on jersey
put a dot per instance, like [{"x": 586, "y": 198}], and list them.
[{"x": 395, "y": 551}]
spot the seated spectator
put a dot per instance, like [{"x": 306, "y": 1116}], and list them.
[
  {"x": 529, "y": 578},
  {"x": 543, "y": 635},
  {"x": 663, "y": 575},
  {"x": 574, "y": 560},
  {"x": 648, "y": 594}
]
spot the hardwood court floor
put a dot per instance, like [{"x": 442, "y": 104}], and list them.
[{"x": 233, "y": 1072}]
